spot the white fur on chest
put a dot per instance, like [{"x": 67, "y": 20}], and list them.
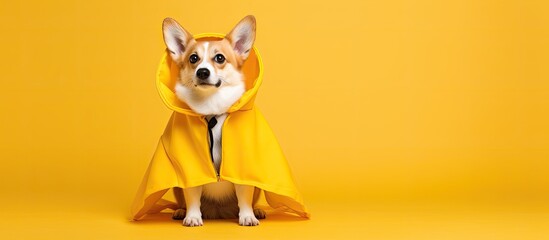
[{"x": 216, "y": 102}]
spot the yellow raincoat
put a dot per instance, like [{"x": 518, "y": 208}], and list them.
[{"x": 251, "y": 154}]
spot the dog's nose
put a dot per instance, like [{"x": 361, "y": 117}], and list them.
[{"x": 203, "y": 73}]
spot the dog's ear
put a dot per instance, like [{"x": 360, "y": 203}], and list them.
[
  {"x": 176, "y": 38},
  {"x": 242, "y": 36}
]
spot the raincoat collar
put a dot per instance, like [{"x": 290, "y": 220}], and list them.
[{"x": 167, "y": 73}]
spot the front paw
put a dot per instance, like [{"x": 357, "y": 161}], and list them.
[
  {"x": 248, "y": 220},
  {"x": 192, "y": 220}
]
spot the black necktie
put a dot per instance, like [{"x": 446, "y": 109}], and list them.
[{"x": 211, "y": 125}]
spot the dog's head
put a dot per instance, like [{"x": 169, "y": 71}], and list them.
[{"x": 207, "y": 66}]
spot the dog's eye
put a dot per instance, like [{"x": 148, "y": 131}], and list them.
[
  {"x": 193, "y": 58},
  {"x": 219, "y": 58}
]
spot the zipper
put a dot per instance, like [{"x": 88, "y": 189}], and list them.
[
  {"x": 221, "y": 155},
  {"x": 217, "y": 175}
]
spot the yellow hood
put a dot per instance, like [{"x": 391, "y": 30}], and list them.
[
  {"x": 167, "y": 73},
  {"x": 250, "y": 153}
]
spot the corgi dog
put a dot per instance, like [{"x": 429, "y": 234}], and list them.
[{"x": 210, "y": 81}]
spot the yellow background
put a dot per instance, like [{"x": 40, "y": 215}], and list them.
[{"x": 400, "y": 119}]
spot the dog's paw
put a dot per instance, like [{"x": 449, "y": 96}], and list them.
[
  {"x": 179, "y": 214},
  {"x": 248, "y": 220},
  {"x": 259, "y": 213},
  {"x": 193, "y": 221}
]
